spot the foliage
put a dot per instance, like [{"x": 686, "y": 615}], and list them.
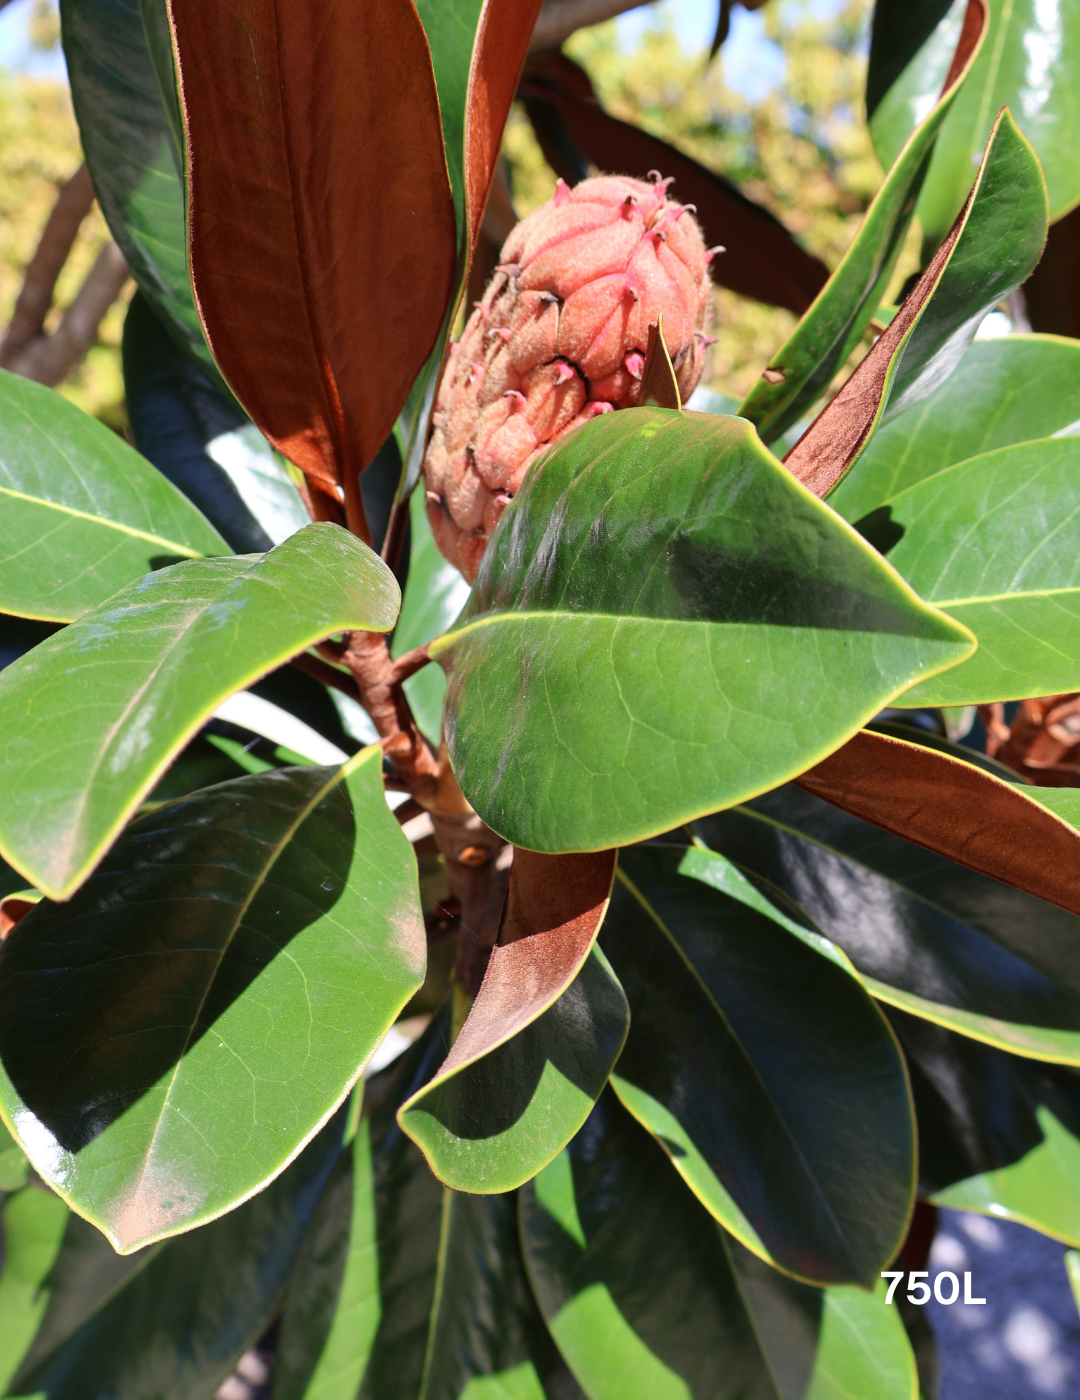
[{"x": 725, "y": 968}]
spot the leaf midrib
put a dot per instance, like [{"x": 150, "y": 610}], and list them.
[{"x": 104, "y": 523}]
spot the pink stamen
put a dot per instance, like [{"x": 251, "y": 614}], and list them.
[
  {"x": 511, "y": 269},
  {"x": 504, "y": 333},
  {"x": 711, "y": 253},
  {"x": 562, "y": 192},
  {"x": 563, "y": 372},
  {"x": 517, "y": 395},
  {"x": 597, "y": 406},
  {"x": 635, "y": 363}
]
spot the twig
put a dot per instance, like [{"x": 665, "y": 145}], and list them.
[
  {"x": 26, "y": 349},
  {"x": 327, "y": 674}
]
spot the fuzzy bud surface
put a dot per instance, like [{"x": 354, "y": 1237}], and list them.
[{"x": 559, "y": 337}]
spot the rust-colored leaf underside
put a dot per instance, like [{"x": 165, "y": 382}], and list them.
[
  {"x": 321, "y": 220},
  {"x": 502, "y": 41},
  {"x": 554, "y": 908},
  {"x": 955, "y": 809}
]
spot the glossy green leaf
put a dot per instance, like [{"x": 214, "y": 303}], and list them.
[
  {"x": 1004, "y": 391},
  {"x": 133, "y": 158},
  {"x": 144, "y": 671},
  {"x": 333, "y": 1312},
  {"x": 800, "y": 371},
  {"x": 450, "y": 26},
  {"x": 991, "y": 248},
  {"x": 664, "y": 565},
  {"x": 495, "y": 1122},
  {"x": 762, "y": 1067},
  {"x": 979, "y": 1109},
  {"x": 84, "y": 514},
  {"x": 177, "y": 1325},
  {"x": 418, "y": 1290},
  {"x": 929, "y": 936},
  {"x": 434, "y": 595},
  {"x": 1042, "y": 1190},
  {"x": 1027, "y": 63},
  {"x": 993, "y": 542},
  {"x": 631, "y": 1273},
  {"x": 33, "y": 1225},
  {"x": 13, "y": 1164},
  {"x": 195, "y": 1050},
  {"x": 826, "y": 1343}
]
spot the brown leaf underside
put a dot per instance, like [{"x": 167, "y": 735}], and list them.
[
  {"x": 955, "y": 809},
  {"x": 502, "y": 41},
  {"x": 554, "y": 908},
  {"x": 762, "y": 261},
  {"x": 322, "y": 230},
  {"x": 658, "y": 383}
]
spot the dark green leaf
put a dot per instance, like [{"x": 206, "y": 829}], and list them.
[
  {"x": 665, "y": 564},
  {"x": 925, "y": 934},
  {"x": 1008, "y": 390},
  {"x": 1028, "y": 63},
  {"x": 993, "y": 542},
  {"x": 1041, "y": 1190},
  {"x": 631, "y": 1273},
  {"x": 495, "y": 1122},
  {"x": 418, "y": 1290},
  {"x": 177, "y": 1326},
  {"x": 995, "y": 242},
  {"x": 434, "y": 595},
  {"x": 801, "y": 369},
  {"x": 540, "y": 1038},
  {"x": 84, "y": 514},
  {"x": 762, "y": 1067},
  {"x": 144, "y": 671},
  {"x": 13, "y": 1164},
  {"x": 826, "y": 1343},
  {"x": 205, "y": 446},
  {"x": 132, "y": 157},
  {"x": 226, "y": 974},
  {"x": 33, "y": 1224}
]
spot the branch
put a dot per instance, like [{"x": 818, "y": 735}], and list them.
[
  {"x": 380, "y": 682},
  {"x": 26, "y": 349},
  {"x": 559, "y": 18}
]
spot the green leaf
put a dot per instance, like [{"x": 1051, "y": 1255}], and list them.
[
  {"x": 665, "y": 564},
  {"x": 495, "y": 1122},
  {"x": 800, "y": 371},
  {"x": 194, "y": 1050},
  {"x": 631, "y": 1273},
  {"x": 13, "y": 1164},
  {"x": 826, "y": 1343},
  {"x": 1004, "y": 391},
  {"x": 541, "y": 1036},
  {"x": 450, "y": 26},
  {"x": 84, "y": 514},
  {"x": 144, "y": 671},
  {"x": 177, "y": 1326},
  {"x": 979, "y": 1109},
  {"x": 1042, "y": 1190},
  {"x": 992, "y": 247},
  {"x": 1027, "y": 63},
  {"x": 332, "y": 1313},
  {"x": 762, "y": 1068},
  {"x": 926, "y": 935},
  {"x": 992, "y": 542},
  {"x": 132, "y": 157},
  {"x": 415, "y": 1288},
  {"x": 33, "y": 1224},
  {"x": 434, "y": 595}
]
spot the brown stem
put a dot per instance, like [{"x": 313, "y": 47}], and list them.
[
  {"x": 408, "y": 665},
  {"x": 327, "y": 674},
  {"x": 381, "y": 694}
]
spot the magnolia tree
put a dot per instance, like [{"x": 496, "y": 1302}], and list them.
[{"x": 721, "y": 962}]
